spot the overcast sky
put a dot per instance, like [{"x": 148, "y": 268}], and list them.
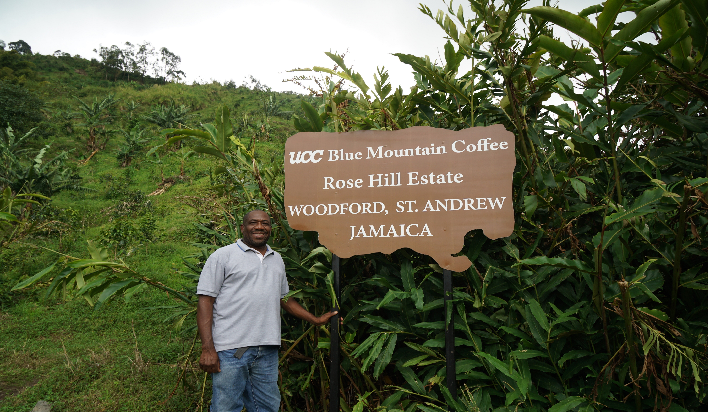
[{"x": 230, "y": 40}]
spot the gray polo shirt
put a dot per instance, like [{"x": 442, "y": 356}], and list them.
[{"x": 248, "y": 290}]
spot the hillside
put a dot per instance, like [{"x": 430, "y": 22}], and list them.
[
  {"x": 147, "y": 212},
  {"x": 596, "y": 301}
]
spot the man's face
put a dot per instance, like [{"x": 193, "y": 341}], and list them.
[{"x": 256, "y": 231}]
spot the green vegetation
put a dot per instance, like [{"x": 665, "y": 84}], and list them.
[
  {"x": 88, "y": 156},
  {"x": 594, "y": 303}
]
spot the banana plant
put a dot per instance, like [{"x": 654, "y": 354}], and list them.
[{"x": 97, "y": 279}]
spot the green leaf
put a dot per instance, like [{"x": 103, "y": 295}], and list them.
[
  {"x": 607, "y": 18},
  {"x": 82, "y": 263},
  {"x": 374, "y": 352},
  {"x": 591, "y": 10},
  {"x": 386, "y": 355},
  {"x": 315, "y": 122},
  {"x": 382, "y": 323},
  {"x": 209, "y": 150},
  {"x": 407, "y": 276},
  {"x": 527, "y": 354},
  {"x": 530, "y": 205},
  {"x": 628, "y": 114},
  {"x": 320, "y": 267},
  {"x": 391, "y": 295},
  {"x": 8, "y": 216},
  {"x": 464, "y": 365},
  {"x": 421, "y": 348},
  {"x": 656, "y": 313},
  {"x": 636, "y": 65},
  {"x": 452, "y": 58},
  {"x": 641, "y": 270},
  {"x": 318, "y": 251},
  {"x": 573, "y": 354},
  {"x": 39, "y": 275},
  {"x": 412, "y": 380},
  {"x": 559, "y": 147},
  {"x": 579, "y": 188},
  {"x": 353, "y": 76},
  {"x": 223, "y": 130},
  {"x": 179, "y": 134},
  {"x": 437, "y": 325},
  {"x": 417, "y": 296},
  {"x": 636, "y": 27},
  {"x": 567, "y": 404},
  {"x": 515, "y": 332},
  {"x": 539, "y": 314},
  {"x": 610, "y": 236},
  {"x": 569, "y": 21},
  {"x": 416, "y": 360},
  {"x": 365, "y": 345},
  {"x": 647, "y": 292},
  {"x": 114, "y": 288},
  {"x": 557, "y": 262},
  {"x": 641, "y": 206},
  {"x": 698, "y": 13},
  {"x": 672, "y": 23},
  {"x": 498, "y": 365},
  {"x": 97, "y": 252},
  {"x": 536, "y": 329},
  {"x": 59, "y": 279},
  {"x": 695, "y": 285}
]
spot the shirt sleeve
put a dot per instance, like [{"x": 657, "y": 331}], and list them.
[
  {"x": 212, "y": 276},
  {"x": 284, "y": 287}
]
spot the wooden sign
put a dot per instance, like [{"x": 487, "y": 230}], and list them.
[{"x": 421, "y": 188}]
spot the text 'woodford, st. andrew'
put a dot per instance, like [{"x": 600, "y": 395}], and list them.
[{"x": 421, "y": 188}]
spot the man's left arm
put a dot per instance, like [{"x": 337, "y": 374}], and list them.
[{"x": 293, "y": 307}]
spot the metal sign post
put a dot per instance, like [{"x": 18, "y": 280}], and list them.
[
  {"x": 334, "y": 343},
  {"x": 451, "y": 375}
]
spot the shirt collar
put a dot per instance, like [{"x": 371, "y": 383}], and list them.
[{"x": 244, "y": 247}]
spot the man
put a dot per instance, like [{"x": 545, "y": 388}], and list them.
[{"x": 238, "y": 315}]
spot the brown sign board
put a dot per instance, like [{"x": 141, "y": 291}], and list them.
[{"x": 421, "y": 188}]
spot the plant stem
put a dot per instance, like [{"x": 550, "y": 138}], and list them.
[
  {"x": 598, "y": 286},
  {"x": 629, "y": 331},
  {"x": 290, "y": 349},
  {"x": 610, "y": 128},
  {"x": 679, "y": 249},
  {"x": 358, "y": 367}
]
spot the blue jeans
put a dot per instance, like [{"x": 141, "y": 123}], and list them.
[{"x": 251, "y": 381}]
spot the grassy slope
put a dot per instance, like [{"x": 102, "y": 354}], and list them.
[{"x": 123, "y": 356}]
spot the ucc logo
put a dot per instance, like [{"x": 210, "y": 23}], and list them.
[{"x": 306, "y": 156}]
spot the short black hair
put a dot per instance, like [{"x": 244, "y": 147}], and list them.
[{"x": 245, "y": 217}]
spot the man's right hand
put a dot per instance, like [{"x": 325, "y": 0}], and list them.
[{"x": 209, "y": 361}]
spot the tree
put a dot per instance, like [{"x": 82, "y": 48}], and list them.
[
  {"x": 23, "y": 173},
  {"x": 143, "y": 57},
  {"x": 2, "y": 45},
  {"x": 170, "y": 65},
  {"x": 21, "y": 46},
  {"x": 19, "y": 107},
  {"x": 168, "y": 116},
  {"x": 112, "y": 59},
  {"x": 14, "y": 67},
  {"x": 133, "y": 144},
  {"x": 129, "y": 63},
  {"x": 96, "y": 117}
]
